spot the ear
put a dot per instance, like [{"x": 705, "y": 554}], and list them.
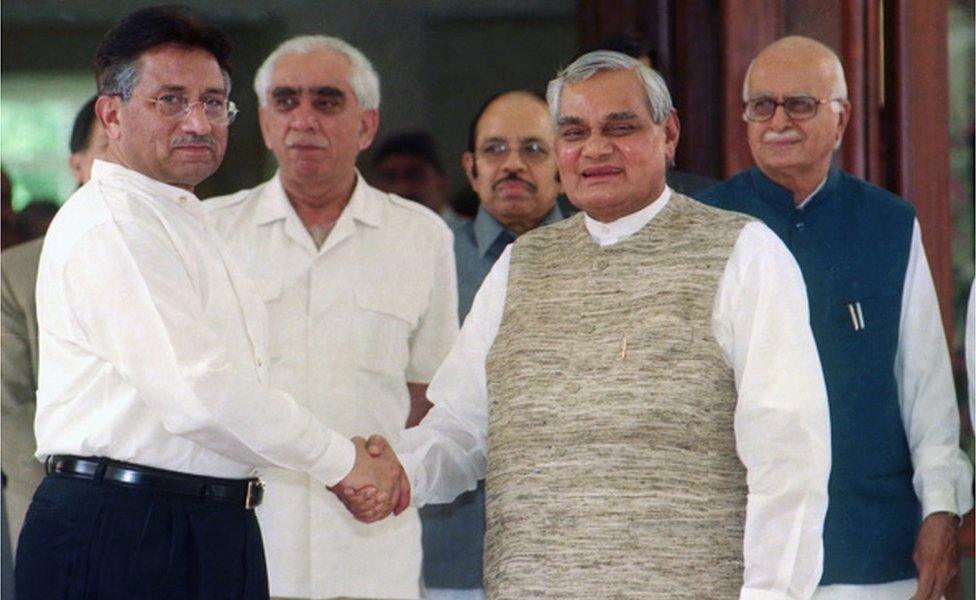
[
  {"x": 74, "y": 163},
  {"x": 263, "y": 120},
  {"x": 672, "y": 131},
  {"x": 108, "y": 109},
  {"x": 369, "y": 123},
  {"x": 470, "y": 169},
  {"x": 843, "y": 118}
]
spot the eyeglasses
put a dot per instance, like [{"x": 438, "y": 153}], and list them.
[
  {"x": 798, "y": 108},
  {"x": 531, "y": 151},
  {"x": 217, "y": 110}
]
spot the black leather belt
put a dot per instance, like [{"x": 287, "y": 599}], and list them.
[{"x": 243, "y": 492}]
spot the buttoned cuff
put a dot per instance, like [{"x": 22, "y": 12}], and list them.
[
  {"x": 337, "y": 461},
  {"x": 754, "y": 594}
]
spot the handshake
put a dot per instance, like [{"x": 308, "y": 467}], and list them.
[{"x": 377, "y": 484}]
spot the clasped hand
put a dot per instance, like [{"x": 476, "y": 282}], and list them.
[{"x": 377, "y": 484}]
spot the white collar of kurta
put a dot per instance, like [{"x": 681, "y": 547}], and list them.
[
  {"x": 814, "y": 193},
  {"x": 361, "y": 206},
  {"x": 607, "y": 234},
  {"x": 141, "y": 183}
]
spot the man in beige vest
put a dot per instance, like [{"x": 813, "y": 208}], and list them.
[{"x": 638, "y": 383}]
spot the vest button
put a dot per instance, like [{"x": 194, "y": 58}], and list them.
[
  {"x": 587, "y": 327},
  {"x": 800, "y": 225},
  {"x": 572, "y": 387}
]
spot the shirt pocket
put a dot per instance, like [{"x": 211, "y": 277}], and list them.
[{"x": 384, "y": 321}]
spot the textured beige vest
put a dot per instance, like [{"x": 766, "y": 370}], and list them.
[{"x": 612, "y": 470}]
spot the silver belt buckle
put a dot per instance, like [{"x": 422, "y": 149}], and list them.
[{"x": 252, "y": 486}]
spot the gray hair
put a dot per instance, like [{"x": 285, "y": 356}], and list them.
[
  {"x": 658, "y": 98},
  {"x": 121, "y": 79},
  {"x": 363, "y": 80}
]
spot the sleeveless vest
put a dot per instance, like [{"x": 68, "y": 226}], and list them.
[{"x": 612, "y": 470}]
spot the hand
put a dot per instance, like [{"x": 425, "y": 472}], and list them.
[
  {"x": 377, "y": 483},
  {"x": 936, "y": 555}
]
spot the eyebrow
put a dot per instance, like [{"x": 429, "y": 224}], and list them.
[
  {"x": 568, "y": 121},
  {"x": 323, "y": 91},
  {"x": 172, "y": 87},
  {"x": 622, "y": 116}
]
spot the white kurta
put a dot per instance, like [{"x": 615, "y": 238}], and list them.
[
  {"x": 153, "y": 345},
  {"x": 351, "y": 323},
  {"x": 782, "y": 428}
]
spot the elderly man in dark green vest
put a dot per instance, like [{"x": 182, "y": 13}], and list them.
[
  {"x": 899, "y": 479},
  {"x": 638, "y": 382}
]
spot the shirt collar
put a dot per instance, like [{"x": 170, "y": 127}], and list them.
[
  {"x": 487, "y": 228},
  {"x": 606, "y": 234},
  {"x": 138, "y": 182},
  {"x": 278, "y": 207}
]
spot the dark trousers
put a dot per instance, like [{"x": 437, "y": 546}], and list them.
[{"x": 94, "y": 540}]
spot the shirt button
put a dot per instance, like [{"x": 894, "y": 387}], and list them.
[
  {"x": 182, "y": 200},
  {"x": 260, "y": 363}
]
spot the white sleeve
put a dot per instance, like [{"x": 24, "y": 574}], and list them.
[
  {"x": 782, "y": 427},
  {"x": 971, "y": 352},
  {"x": 133, "y": 297},
  {"x": 438, "y": 327},
  {"x": 445, "y": 455},
  {"x": 926, "y": 394}
]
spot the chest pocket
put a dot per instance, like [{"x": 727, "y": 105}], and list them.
[{"x": 385, "y": 319}]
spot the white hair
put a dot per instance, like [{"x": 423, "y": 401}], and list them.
[
  {"x": 658, "y": 98},
  {"x": 363, "y": 80}
]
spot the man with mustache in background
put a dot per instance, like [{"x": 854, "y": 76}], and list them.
[
  {"x": 898, "y": 480},
  {"x": 511, "y": 165},
  {"x": 360, "y": 290}
]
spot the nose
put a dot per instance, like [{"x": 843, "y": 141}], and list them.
[
  {"x": 780, "y": 120},
  {"x": 303, "y": 117},
  {"x": 196, "y": 121},
  {"x": 513, "y": 162},
  {"x": 596, "y": 146}
]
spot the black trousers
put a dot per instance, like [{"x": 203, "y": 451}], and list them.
[{"x": 84, "y": 539}]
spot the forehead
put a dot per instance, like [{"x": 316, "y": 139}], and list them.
[
  {"x": 318, "y": 68},
  {"x": 515, "y": 116},
  {"x": 782, "y": 73},
  {"x": 175, "y": 66},
  {"x": 603, "y": 94}
]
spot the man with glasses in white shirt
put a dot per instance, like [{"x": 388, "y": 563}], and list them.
[
  {"x": 899, "y": 480},
  {"x": 154, "y": 407}
]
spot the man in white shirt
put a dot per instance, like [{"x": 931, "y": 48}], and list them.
[
  {"x": 360, "y": 289},
  {"x": 648, "y": 408},
  {"x": 899, "y": 479},
  {"x": 153, "y": 406}
]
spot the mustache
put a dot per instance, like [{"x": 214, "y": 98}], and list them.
[
  {"x": 306, "y": 140},
  {"x": 790, "y": 135},
  {"x": 192, "y": 139},
  {"x": 513, "y": 177}
]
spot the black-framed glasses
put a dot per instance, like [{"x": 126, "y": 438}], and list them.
[
  {"x": 798, "y": 108},
  {"x": 531, "y": 151},
  {"x": 177, "y": 106}
]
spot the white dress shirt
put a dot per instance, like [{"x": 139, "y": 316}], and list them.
[
  {"x": 351, "y": 323},
  {"x": 153, "y": 346},
  {"x": 782, "y": 427}
]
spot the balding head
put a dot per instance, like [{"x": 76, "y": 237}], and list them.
[
  {"x": 796, "y": 52},
  {"x": 804, "y": 77}
]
